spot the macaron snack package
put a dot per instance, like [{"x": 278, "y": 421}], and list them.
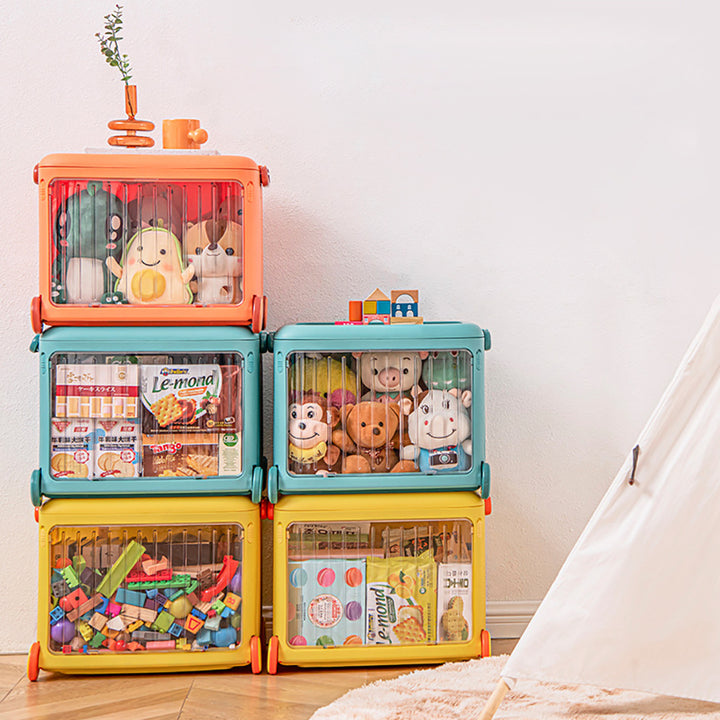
[
  {"x": 378, "y": 583},
  {"x": 326, "y": 603}
]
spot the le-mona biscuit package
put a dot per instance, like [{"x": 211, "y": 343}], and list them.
[
  {"x": 401, "y": 600},
  {"x": 188, "y": 398}
]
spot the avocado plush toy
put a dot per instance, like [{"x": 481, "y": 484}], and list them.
[{"x": 152, "y": 271}]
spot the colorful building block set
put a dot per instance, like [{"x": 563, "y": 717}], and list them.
[{"x": 149, "y": 491}]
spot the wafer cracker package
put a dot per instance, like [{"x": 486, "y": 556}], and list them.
[
  {"x": 196, "y": 454},
  {"x": 401, "y": 600},
  {"x": 96, "y": 391},
  {"x": 454, "y": 602},
  {"x": 117, "y": 449},
  {"x": 71, "y": 448}
]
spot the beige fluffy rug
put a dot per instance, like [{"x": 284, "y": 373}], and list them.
[{"x": 457, "y": 691}]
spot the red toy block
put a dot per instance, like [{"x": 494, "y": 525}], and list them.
[
  {"x": 230, "y": 566},
  {"x": 74, "y": 599}
]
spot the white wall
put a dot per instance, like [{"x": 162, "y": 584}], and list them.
[{"x": 546, "y": 170}]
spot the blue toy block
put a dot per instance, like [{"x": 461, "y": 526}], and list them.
[
  {"x": 204, "y": 637},
  {"x": 198, "y": 614},
  {"x": 130, "y": 597},
  {"x": 56, "y": 614},
  {"x": 175, "y": 630},
  {"x": 102, "y": 607},
  {"x": 382, "y": 307},
  {"x": 400, "y": 309},
  {"x": 152, "y": 592}
]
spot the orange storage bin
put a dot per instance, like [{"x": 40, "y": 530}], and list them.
[{"x": 150, "y": 239}]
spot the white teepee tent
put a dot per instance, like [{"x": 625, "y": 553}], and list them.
[{"x": 636, "y": 605}]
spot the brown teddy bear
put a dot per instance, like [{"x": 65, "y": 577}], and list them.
[{"x": 368, "y": 438}]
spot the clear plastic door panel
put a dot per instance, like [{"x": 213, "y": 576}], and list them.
[
  {"x": 146, "y": 243},
  {"x": 380, "y": 411},
  {"x": 380, "y": 583},
  {"x": 151, "y": 588},
  {"x": 143, "y": 415}
]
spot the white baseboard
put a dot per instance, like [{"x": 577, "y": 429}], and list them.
[
  {"x": 508, "y": 619},
  {"x": 505, "y": 619}
]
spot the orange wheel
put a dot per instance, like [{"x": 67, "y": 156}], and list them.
[
  {"x": 488, "y": 506},
  {"x": 36, "y": 314},
  {"x": 33, "y": 666},
  {"x": 255, "y": 654},
  {"x": 484, "y": 644},
  {"x": 270, "y": 511},
  {"x": 272, "y": 658}
]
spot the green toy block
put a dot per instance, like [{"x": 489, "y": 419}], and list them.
[
  {"x": 177, "y": 581},
  {"x": 163, "y": 622},
  {"x": 97, "y": 640},
  {"x": 119, "y": 571},
  {"x": 70, "y": 576}
]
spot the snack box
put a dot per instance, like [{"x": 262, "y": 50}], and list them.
[
  {"x": 150, "y": 237},
  {"x": 147, "y": 585},
  {"x": 148, "y": 411},
  {"x": 320, "y": 541},
  {"x": 401, "y": 600},
  {"x": 326, "y": 602},
  {"x": 378, "y": 408}
]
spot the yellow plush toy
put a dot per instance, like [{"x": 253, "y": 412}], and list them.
[
  {"x": 152, "y": 271},
  {"x": 329, "y": 377}
]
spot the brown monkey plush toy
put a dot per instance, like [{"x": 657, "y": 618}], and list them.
[{"x": 310, "y": 426}]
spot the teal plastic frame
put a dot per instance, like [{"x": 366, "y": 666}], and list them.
[
  {"x": 157, "y": 340},
  {"x": 327, "y": 337}
]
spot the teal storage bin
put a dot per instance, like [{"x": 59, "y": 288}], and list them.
[
  {"x": 155, "y": 411},
  {"x": 378, "y": 408}
]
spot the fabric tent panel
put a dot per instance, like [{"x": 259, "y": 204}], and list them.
[{"x": 636, "y": 604}]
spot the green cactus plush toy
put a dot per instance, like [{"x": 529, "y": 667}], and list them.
[{"x": 89, "y": 228}]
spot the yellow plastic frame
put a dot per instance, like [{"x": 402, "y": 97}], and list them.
[
  {"x": 119, "y": 512},
  {"x": 374, "y": 507}
]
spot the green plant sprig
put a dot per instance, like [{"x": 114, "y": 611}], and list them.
[{"x": 109, "y": 44}]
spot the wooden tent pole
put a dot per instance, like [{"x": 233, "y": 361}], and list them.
[{"x": 494, "y": 700}]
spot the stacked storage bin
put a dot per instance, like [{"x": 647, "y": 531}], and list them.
[
  {"x": 379, "y": 456},
  {"x": 150, "y": 274}
]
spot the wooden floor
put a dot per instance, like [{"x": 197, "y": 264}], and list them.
[{"x": 292, "y": 694}]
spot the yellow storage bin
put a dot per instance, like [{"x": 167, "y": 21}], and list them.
[
  {"x": 378, "y": 579},
  {"x": 129, "y": 585}
]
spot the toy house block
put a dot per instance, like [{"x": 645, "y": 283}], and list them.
[
  {"x": 367, "y": 319},
  {"x": 376, "y": 306},
  {"x": 405, "y": 303}
]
